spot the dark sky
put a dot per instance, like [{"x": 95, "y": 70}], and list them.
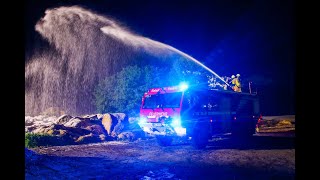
[{"x": 250, "y": 37}]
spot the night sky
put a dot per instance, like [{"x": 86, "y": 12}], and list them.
[{"x": 255, "y": 38}]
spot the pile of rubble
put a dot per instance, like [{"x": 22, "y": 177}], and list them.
[{"x": 85, "y": 129}]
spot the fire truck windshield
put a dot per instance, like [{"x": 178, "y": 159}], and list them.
[{"x": 168, "y": 100}]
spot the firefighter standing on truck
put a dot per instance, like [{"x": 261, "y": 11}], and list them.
[
  {"x": 237, "y": 83},
  {"x": 233, "y": 82}
]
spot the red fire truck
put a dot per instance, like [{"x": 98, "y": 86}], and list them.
[{"x": 197, "y": 113}]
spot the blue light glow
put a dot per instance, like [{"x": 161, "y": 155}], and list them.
[
  {"x": 183, "y": 86},
  {"x": 142, "y": 120},
  {"x": 176, "y": 122},
  {"x": 180, "y": 131}
]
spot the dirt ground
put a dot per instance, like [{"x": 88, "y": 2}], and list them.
[{"x": 264, "y": 156}]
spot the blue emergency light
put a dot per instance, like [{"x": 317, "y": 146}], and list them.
[{"x": 183, "y": 86}]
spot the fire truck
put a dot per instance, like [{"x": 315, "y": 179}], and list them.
[{"x": 197, "y": 114}]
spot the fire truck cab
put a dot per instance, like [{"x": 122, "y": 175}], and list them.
[{"x": 197, "y": 113}]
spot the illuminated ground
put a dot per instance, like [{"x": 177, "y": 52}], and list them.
[{"x": 262, "y": 157}]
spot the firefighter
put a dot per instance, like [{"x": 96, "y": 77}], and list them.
[
  {"x": 233, "y": 82},
  {"x": 237, "y": 83}
]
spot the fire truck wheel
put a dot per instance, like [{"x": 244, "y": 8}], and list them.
[
  {"x": 164, "y": 140},
  {"x": 200, "y": 137}
]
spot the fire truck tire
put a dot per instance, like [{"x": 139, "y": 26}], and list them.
[
  {"x": 200, "y": 137},
  {"x": 164, "y": 140}
]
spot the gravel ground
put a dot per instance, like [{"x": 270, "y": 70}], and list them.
[{"x": 262, "y": 157}]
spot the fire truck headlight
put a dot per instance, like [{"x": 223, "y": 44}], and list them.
[
  {"x": 176, "y": 122},
  {"x": 180, "y": 131},
  {"x": 142, "y": 120},
  {"x": 183, "y": 86}
]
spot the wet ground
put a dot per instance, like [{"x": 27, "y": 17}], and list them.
[{"x": 262, "y": 157}]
